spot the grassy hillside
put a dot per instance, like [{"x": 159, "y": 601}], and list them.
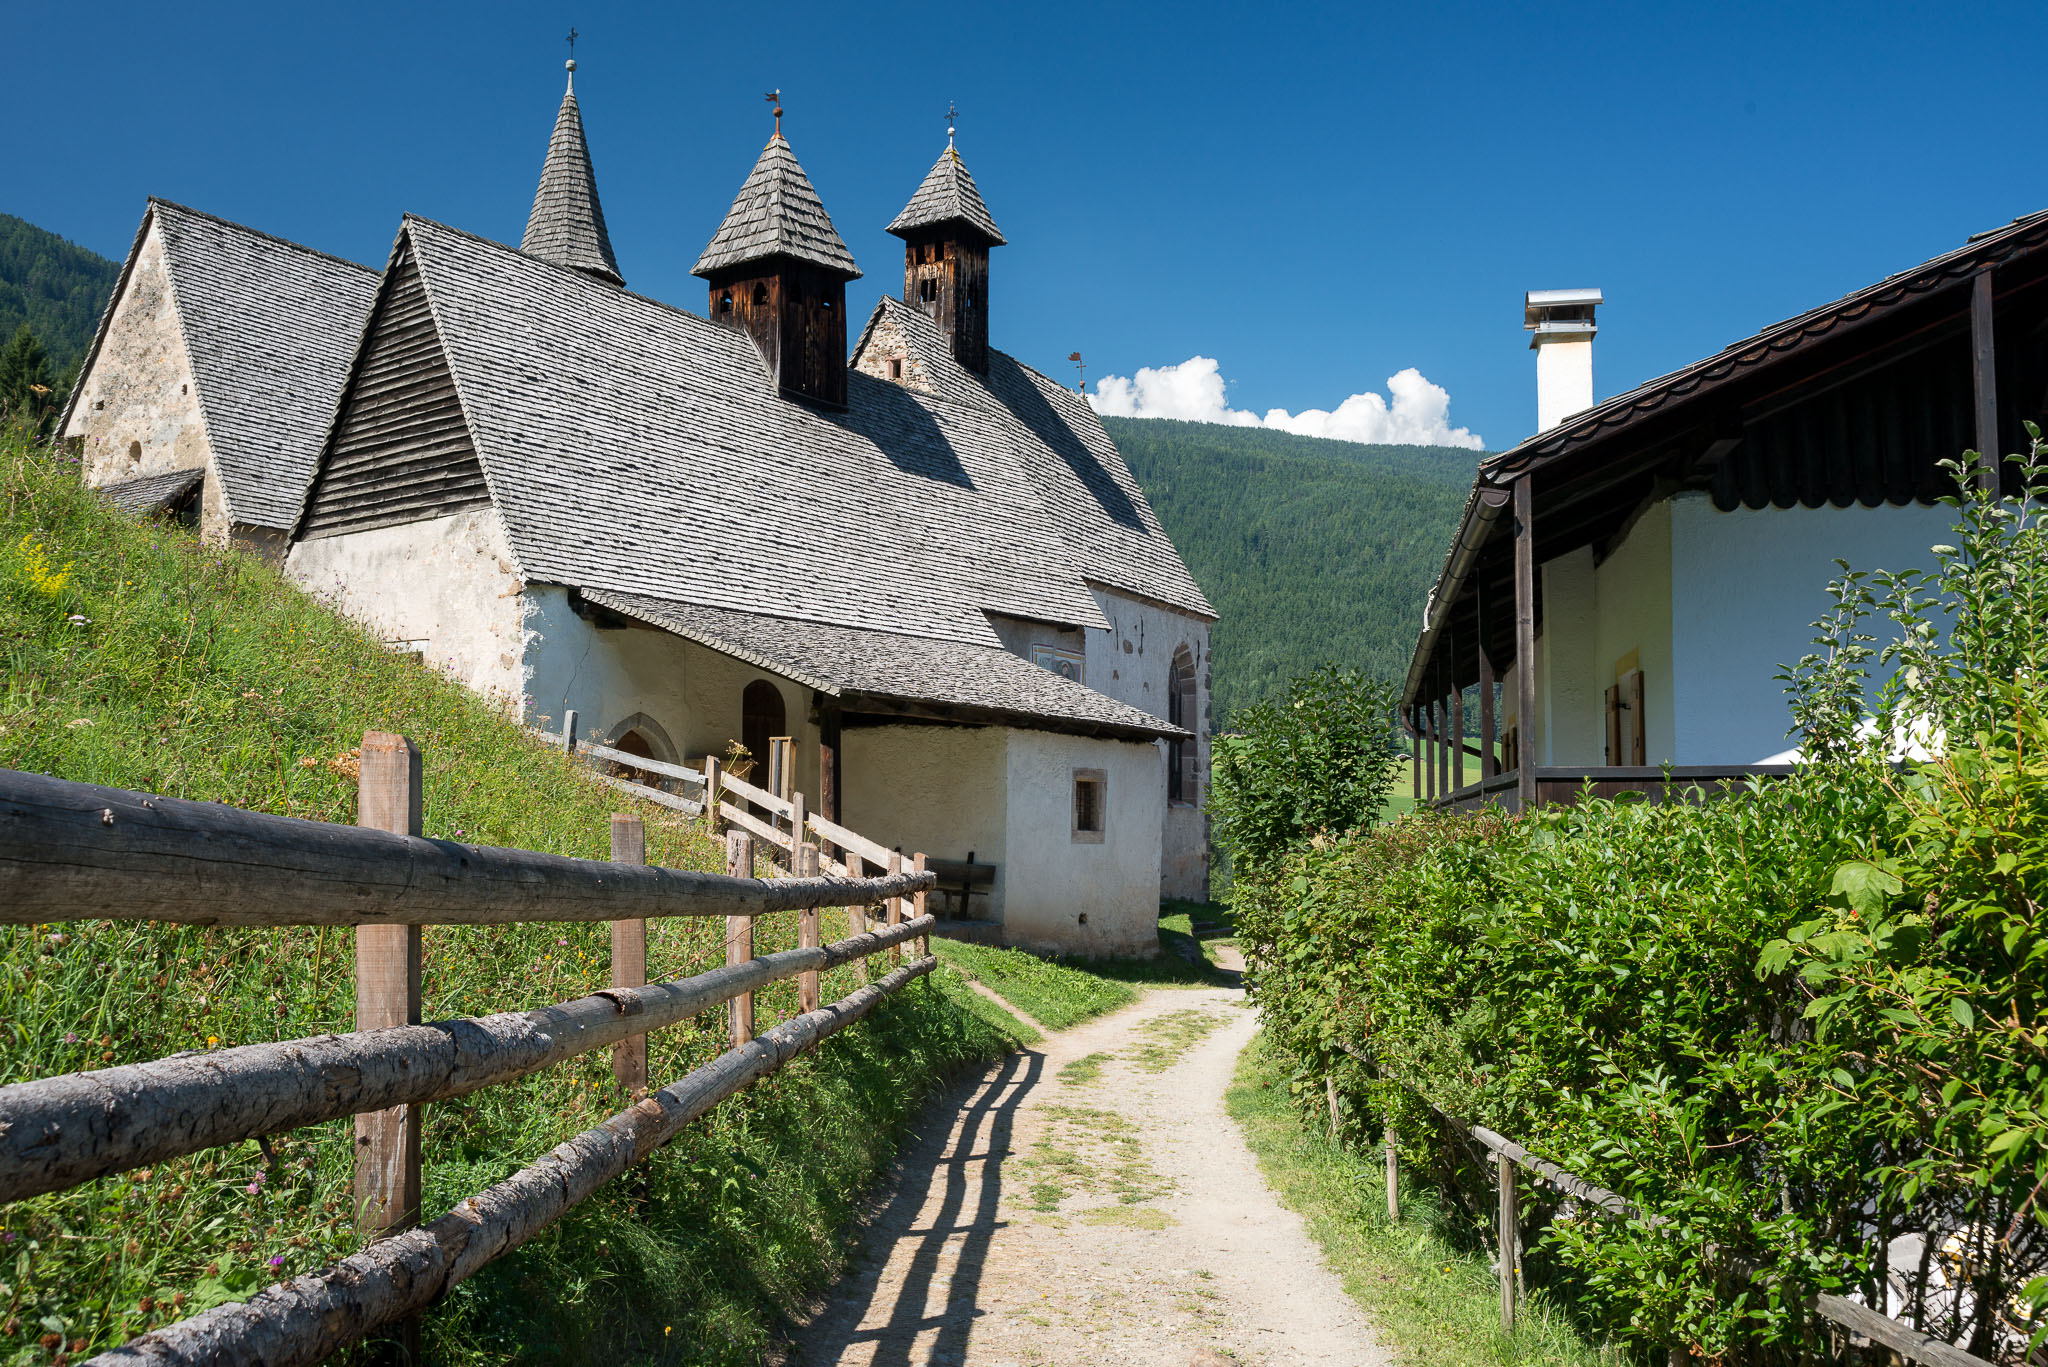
[
  {"x": 1312, "y": 550},
  {"x": 132, "y": 655},
  {"x": 57, "y": 287}
]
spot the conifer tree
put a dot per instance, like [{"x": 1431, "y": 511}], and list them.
[{"x": 28, "y": 389}]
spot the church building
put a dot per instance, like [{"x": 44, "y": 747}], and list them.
[{"x": 919, "y": 559}]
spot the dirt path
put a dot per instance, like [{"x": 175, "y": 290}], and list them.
[{"x": 1089, "y": 1204}]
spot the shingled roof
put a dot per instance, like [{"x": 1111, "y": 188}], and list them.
[
  {"x": 948, "y": 195},
  {"x": 270, "y": 328},
  {"x": 864, "y": 668},
  {"x": 776, "y": 213},
  {"x": 567, "y": 222},
  {"x": 636, "y": 448},
  {"x": 1073, "y": 465},
  {"x": 148, "y": 494}
]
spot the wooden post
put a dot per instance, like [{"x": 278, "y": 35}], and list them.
[
  {"x": 924, "y": 942},
  {"x": 712, "y": 773},
  {"x": 387, "y": 1157},
  {"x": 569, "y": 732},
  {"x": 739, "y": 934},
  {"x": 804, "y": 863},
  {"x": 1429, "y": 752},
  {"x": 1510, "y": 1240},
  {"x": 829, "y": 742},
  {"x": 1525, "y": 644},
  {"x": 1489, "y": 754},
  {"x": 1393, "y": 1179},
  {"x": 1330, "y": 1094},
  {"x": 895, "y": 908},
  {"x": 799, "y": 817},
  {"x": 1457, "y": 738},
  {"x": 1984, "y": 374},
  {"x": 629, "y": 955},
  {"x": 1415, "y": 751}
]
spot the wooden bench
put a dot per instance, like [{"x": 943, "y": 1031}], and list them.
[{"x": 959, "y": 881}]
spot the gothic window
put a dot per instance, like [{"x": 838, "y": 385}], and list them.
[{"x": 1183, "y": 780}]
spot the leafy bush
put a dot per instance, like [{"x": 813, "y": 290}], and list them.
[
  {"x": 1798, "y": 1024},
  {"x": 1317, "y": 760}
]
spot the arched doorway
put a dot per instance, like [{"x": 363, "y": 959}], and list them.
[
  {"x": 762, "y": 715},
  {"x": 635, "y": 744}
]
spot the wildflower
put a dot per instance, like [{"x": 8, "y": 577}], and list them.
[
  {"x": 74, "y": 725},
  {"x": 561, "y": 942},
  {"x": 71, "y": 1037},
  {"x": 308, "y": 762},
  {"x": 212, "y": 1040},
  {"x": 254, "y": 1188},
  {"x": 667, "y": 1329},
  {"x": 78, "y": 620},
  {"x": 37, "y": 571}
]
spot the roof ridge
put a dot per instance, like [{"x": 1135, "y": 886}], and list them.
[{"x": 159, "y": 202}]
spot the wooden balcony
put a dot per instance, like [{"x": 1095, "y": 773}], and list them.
[{"x": 1681, "y": 782}]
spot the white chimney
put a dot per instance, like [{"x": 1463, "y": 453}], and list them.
[{"x": 1562, "y": 325}]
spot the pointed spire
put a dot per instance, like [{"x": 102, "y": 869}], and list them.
[
  {"x": 777, "y": 213},
  {"x": 567, "y": 223},
  {"x": 948, "y": 195}
]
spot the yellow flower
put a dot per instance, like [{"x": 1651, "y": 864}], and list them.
[
  {"x": 212, "y": 1040},
  {"x": 37, "y": 571}
]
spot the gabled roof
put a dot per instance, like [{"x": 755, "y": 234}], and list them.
[
  {"x": 567, "y": 222},
  {"x": 776, "y": 213},
  {"x": 948, "y": 195},
  {"x": 270, "y": 328},
  {"x": 1070, "y": 460},
  {"x": 635, "y": 448},
  {"x": 881, "y": 671}
]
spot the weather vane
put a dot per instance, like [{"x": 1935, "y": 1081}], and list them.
[
  {"x": 774, "y": 97},
  {"x": 1081, "y": 366}
]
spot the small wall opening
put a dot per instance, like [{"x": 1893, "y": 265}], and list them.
[{"x": 1091, "y": 806}]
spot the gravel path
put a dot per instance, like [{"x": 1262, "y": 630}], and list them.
[{"x": 1087, "y": 1203}]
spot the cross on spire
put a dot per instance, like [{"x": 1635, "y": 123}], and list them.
[
  {"x": 952, "y": 118},
  {"x": 774, "y": 97},
  {"x": 572, "y": 42}
]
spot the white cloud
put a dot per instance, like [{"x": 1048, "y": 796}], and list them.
[{"x": 1414, "y": 413}]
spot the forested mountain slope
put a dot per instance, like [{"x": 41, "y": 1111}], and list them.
[
  {"x": 57, "y": 287},
  {"x": 1311, "y": 549}
]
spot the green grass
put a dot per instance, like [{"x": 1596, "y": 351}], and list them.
[
  {"x": 135, "y": 656},
  {"x": 1437, "y": 1305},
  {"x": 1054, "y": 994}
]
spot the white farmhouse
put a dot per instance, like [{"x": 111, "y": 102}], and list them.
[{"x": 1636, "y": 574}]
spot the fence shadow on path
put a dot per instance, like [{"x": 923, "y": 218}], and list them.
[{"x": 964, "y": 1150}]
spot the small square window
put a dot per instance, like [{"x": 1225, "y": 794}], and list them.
[{"x": 1091, "y": 805}]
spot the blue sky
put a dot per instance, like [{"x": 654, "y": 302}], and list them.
[{"x": 1315, "y": 198}]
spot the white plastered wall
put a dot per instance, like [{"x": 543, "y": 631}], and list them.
[
  {"x": 446, "y": 587},
  {"x": 938, "y": 789},
  {"x": 1632, "y": 588},
  {"x": 1747, "y": 586},
  {"x": 1570, "y": 724},
  {"x": 138, "y": 407},
  {"x": 1055, "y": 880},
  {"x": 612, "y": 674}
]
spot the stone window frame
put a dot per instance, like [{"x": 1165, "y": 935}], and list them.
[{"x": 1099, "y": 779}]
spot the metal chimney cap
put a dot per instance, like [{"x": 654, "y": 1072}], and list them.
[{"x": 1544, "y": 306}]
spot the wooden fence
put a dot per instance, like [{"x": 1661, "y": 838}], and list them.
[
  {"x": 1909, "y": 1343},
  {"x": 72, "y": 851}
]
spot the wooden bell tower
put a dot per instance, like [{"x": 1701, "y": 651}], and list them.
[{"x": 947, "y": 233}]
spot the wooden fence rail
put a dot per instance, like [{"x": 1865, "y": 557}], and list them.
[
  {"x": 77, "y": 851},
  {"x": 1901, "y": 1338},
  {"x": 71, "y": 851}
]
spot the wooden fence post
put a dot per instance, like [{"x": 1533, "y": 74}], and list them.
[
  {"x": 712, "y": 771},
  {"x": 924, "y": 942},
  {"x": 569, "y": 732},
  {"x": 895, "y": 908},
  {"x": 629, "y": 954},
  {"x": 739, "y": 934},
  {"x": 805, "y": 865},
  {"x": 387, "y": 1157},
  {"x": 856, "y": 916},
  {"x": 799, "y": 816},
  {"x": 1393, "y": 1179},
  {"x": 1510, "y": 1239}
]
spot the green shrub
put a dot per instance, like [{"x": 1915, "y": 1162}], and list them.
[
  {"x": 1317, "y": 760},
  {"x": 1794, "y": 1023}
]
